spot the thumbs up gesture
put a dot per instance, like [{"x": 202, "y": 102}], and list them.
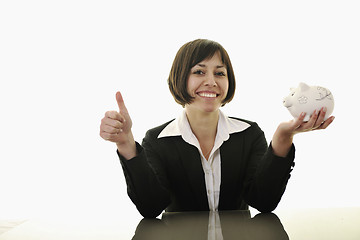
[{"x": 116, "y": 127}]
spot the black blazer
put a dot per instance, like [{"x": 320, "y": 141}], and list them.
[{"x": 167, "y": 174}]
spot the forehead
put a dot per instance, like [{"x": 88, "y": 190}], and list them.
[{"x": 214, "y": 60}]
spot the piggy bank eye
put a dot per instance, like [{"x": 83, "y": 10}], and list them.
[{"x": 292, "y": 94}]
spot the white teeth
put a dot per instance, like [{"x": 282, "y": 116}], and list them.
[{"x": 209, "y": 95}]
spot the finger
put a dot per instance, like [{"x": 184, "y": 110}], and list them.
[
  {"x": 115, "y": 115},
  {"x": 325, "y": 124},
  {"x": 110, "y": 129},
  {"x": 112, "y": 123},
  {"x": 311, "y": 123},
  {"x": 298, "y": 121},
  {"x": 108, "y": 136},
  {"x": 120, "y": 102},
  {"x": 320, "y": 119}
]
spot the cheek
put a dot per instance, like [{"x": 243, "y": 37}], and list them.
[
  {"x": 225, "y": 86},
  {"x": 191, "y": 86}
]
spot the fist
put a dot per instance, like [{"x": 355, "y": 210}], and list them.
[{"x": 116, "y": 126}]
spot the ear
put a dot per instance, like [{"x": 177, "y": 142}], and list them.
[
  {"x": 304, "y": 87},
  {"x": 292, "y": 89}
]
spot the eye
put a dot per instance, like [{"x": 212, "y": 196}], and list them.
[
  {"x": 220, "y": 74},
  {"x": 199, "y": 72}
]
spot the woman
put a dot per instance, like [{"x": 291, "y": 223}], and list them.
[{"x": 204, "y": 160}]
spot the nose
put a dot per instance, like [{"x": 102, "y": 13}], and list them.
[{"x": 210, "y": 81}]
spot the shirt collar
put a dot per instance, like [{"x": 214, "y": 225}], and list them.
[{"x": 181, "y": 127}]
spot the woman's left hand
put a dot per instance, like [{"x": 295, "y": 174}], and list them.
[{"x": 282, "y": 139}]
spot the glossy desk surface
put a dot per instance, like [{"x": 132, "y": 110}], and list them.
[{"x": 341, "y": 223}]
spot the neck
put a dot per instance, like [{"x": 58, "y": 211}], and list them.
[{"x": 203, "y": 124}]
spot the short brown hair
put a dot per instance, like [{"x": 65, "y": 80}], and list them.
[{"x": 187, "y": 57}]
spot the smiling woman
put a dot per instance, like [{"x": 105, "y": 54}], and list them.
[
  {"x": 190, "y": 61},
  {"x": 204, "y": 160}
]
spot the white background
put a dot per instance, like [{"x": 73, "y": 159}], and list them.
[{"x": 61, "y": 63}]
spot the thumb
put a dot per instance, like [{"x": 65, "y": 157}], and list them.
[
  {"x": 120, "y": 102},
  {"x": 297, "y": 122}
]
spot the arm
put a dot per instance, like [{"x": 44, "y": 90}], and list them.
[
  {"x": 144, "y": 188},
  {"x": 267, "y": 174},
  {"x": 143, "y": 182}
]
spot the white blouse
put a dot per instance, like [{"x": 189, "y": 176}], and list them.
[{"x": 212, "y": 166}]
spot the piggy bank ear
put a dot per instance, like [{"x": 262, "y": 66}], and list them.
[
  {"x": 292, "y": 89},
  {"x": 304, "y": 87}
]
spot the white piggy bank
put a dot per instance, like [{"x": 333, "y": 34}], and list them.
[{"x": 307, "y": 98}]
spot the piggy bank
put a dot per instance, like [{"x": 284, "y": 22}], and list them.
[{"x": 307, "y": 98}]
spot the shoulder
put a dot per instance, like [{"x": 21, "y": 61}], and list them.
[
  {"x": 153, "y": 133},
  {"x": 243, "y": 120},
  {"x": 253, "y": 125},
  {"x": 253, "y": 133},
  {"x": 163, "y": 145},
  {"x": 250, "y": 137}
]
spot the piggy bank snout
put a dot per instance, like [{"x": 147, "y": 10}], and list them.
[{"x": 287, "y": 102}]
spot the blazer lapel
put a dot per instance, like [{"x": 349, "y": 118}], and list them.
[
  {"x": 230, "y": 172},
  {"x": 191, "y": 161}
]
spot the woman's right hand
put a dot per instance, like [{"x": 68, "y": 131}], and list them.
[{"x": 116, "y": 127}]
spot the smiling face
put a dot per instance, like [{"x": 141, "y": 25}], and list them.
[{"x": 208, "y": 83}]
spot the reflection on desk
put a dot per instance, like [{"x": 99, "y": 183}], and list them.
[
  {"x": 212, "y": 225},
  {"x": 295, "y": 224}
]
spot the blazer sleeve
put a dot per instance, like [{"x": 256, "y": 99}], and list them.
[
  {"x": 267, "y": 174},
  {"x": 145, "y": 180}
]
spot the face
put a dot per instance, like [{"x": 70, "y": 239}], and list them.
[{"x": 208, "y": 84}]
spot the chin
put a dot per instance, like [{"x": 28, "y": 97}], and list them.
[
  {"x": 206, "y": 107},
  {"x": 210, "y": 109}
]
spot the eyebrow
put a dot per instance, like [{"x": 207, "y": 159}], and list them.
[{"x": 203, "y": 65}]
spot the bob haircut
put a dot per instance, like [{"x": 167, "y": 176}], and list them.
[{"x": 187, "y": 57}]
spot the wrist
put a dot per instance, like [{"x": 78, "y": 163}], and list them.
[
  {"x": 281, "y": 144},
  {"x": 127, "y": 149}
]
